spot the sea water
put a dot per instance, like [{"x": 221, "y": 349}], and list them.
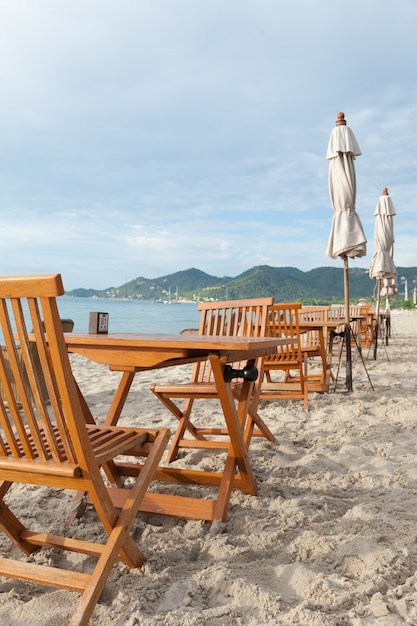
[{"x": 131, "y": 316}]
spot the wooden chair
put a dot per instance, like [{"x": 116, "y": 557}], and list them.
[
  {"x": 52, "y": 445},
  {"x": 310, "y": 340},
  {"x": 366, "y": 327},
  {"x": 288, "y": 359},
  {"x": 336, "y": 313},
  {"x": 229, "y": 318},
  {"x": 315, "y": 347}
]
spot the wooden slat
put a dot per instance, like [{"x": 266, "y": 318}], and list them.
[
  {"x": 45, "y": 575},
  {"x": 31, "y": 286},
  {"x": 165, "y": 504},
  {"x": 176, "y": 475},
  {"x": 38, "y": 466},
  {"x": 64, "y": 543},
  {"x": 205, "y": 443}
]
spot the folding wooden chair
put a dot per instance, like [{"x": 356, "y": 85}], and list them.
[
  {"x": 315, "y": 347},
  {"x": 310, "y": 340},
  {"x": 288, "y": 359},
  {"x": 229, "y": 318},
  {"x": 364, "y": 324},
  {"x": 49, "y": 444}
]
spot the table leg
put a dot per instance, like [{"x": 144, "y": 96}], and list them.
[
  {"x": 237, "y": 455},
  {"x": 325, "y": 366},
  {"x": 120, "y": 396},
  {"x": 118, "y": 401},
  {"x": 256, "y": 420}
]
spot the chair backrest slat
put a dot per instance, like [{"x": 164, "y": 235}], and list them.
[
  {"x": 311, "y": 338},
  {"x": 20, "y": 406},
  {"x": 40, "y": 350},
  {"x": 36, "y": 413},
  {"x": 314, "y": 313},
  {"x": 284, "y": 322},
  {"x": 232, "y": 318}
]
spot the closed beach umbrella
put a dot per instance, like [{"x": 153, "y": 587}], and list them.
[
  {"x": 382, "y": 268},
  {"x": 347, "y": 239}
]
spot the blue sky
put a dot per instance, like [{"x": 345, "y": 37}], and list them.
[{"x": 144, "y": 137}]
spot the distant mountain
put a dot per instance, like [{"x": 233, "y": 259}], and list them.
[
  {"x": 190, "y": 280},
  {"x": 87, "y": 293},
  {"x": 285, "y": 284}
]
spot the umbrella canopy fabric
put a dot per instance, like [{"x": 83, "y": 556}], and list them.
[
  {"x": 382, "y": 263},
  {"x": 346, "y": 237},
  {"x": 382, "y": 267}
]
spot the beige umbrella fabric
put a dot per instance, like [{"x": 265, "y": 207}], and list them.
[
  {"x": 347, "y": 238},
  {"x": 382, "y": 268},
  {"x": 382, "y": 262}
]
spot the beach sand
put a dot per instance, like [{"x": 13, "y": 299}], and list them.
[{"x": 330, "y": 539}]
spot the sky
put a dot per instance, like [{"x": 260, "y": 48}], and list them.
[{"x": 146, "y": 137}]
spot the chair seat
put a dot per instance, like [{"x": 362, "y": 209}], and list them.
[
  {"x": 279, "y": 363},
  {"x": 310, "y": 351},
  {"x": 105, "y": 441},
  {"x": 197, "y": 390}
]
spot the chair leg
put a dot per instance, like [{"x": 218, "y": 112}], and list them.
[
  {"x": 14, "y": 529},
  {"x": 254, "y": 419},
  {"x": 305, "y": 387},
  {"x": 184, "y": 425},
  {"x": 119, "y": 540}
]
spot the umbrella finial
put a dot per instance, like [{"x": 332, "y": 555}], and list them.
[
  {"x": 340, "y": 119},
  {"x": 385, "y": 191}
]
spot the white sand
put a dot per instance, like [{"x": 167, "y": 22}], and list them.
[{"x": 331, "y": 538}]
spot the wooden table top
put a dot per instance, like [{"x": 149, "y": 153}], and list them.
[{"x": 159, "y": 350}]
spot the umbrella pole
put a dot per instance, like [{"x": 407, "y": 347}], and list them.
[
  {"x": 388, "y": 319},
  {"x": 378, "y": 306},
  {"x": 348, "y": 338}
]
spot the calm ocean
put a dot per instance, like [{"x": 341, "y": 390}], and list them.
[{"x": 131, "y": 316}]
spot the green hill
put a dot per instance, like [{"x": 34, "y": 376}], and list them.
[{"x": 323, "y": 285}]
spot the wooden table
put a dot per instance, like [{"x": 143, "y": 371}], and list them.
[{"x": 132, "y": 353}]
